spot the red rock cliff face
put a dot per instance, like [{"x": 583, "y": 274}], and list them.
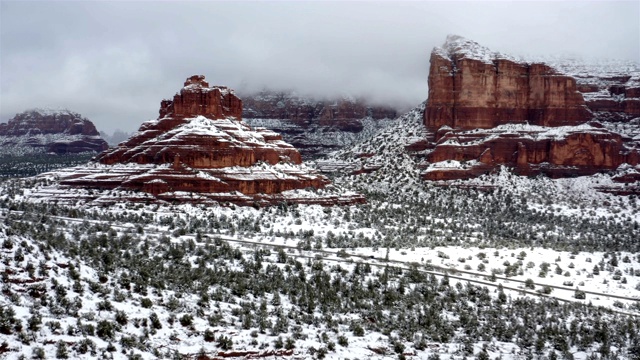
[
  {"x": 199, "y": 146},
  {"x": 197, "y": 98},
  {"x": 486, "y": 110},
  {"x": 202, "y": 127},
  {"x": 469, "y": 88}
]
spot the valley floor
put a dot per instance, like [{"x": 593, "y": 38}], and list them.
[
  {"x": 503, "y": 266},
  {"x": 383, "y": 280}
]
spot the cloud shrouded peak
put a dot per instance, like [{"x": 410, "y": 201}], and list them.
[{"x": 114, "y": 61}]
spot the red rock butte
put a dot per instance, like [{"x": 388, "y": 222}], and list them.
[
  {"x": 486, "y": 109},
  {"x": 471, "y": 88},
  {"x": 200, "y": 150},
  {"x": 202, "y": 128}
]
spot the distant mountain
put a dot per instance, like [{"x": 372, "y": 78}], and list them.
[
  {"x": 316, "y": 126},
  {"x": 49, "y": 131}
]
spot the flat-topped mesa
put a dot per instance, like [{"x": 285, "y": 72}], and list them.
[
  {"x": 487, "y": 110},
  {"x": 344, "y": 113},
  {"x": 471, "y": 87},
  {"x": 39, "y": 121},
  {"x": 197, "y": 98}
]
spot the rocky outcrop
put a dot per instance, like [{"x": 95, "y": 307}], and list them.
[
  {"x": 199, "y": 150},
  {"x": 611, "y": 89},
  {"x": 486, "y": 110},
  {"x": 315, "y": 126},
  {"x": 557, "y": 152},
  {"x": 470, "y": 87},
  {"x": 198, "y": 98},
  {"x": 51, "y": 131},
  {"x": 201, "y": 143}
]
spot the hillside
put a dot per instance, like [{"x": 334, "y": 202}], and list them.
[{"x": 313, "y": 125}]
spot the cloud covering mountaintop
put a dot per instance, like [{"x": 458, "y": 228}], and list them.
[{"x": 114, "y": 61}]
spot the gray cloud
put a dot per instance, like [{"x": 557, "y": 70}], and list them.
[{"x": 114, "y": 61}]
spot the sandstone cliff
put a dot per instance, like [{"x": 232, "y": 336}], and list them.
[
  {"x": 486, "y": 110},
  {"x": 471, "y": 87},
  {"x": 556, "y": 151},
  {"x": 200, "y": 150},
  {"x": 315, "y": 126},
  {"x": 51, "y": 131},
  {"x": 197, "y": 98}
]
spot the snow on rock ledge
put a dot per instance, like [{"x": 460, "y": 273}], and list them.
[
  {"x": 200, "y": 150},
  {"x": 486, "y": 110}
]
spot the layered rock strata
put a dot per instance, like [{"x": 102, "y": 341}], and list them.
[
  {"x": 486, "y": 110},
  {"x": 199, "y": 150},
  {"x": 558, "y": 152}
]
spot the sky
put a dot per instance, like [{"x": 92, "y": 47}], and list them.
[{"x": 114, "y": 61}]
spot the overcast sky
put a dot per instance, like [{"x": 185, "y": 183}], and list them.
[{"x": 114, "y": 62}]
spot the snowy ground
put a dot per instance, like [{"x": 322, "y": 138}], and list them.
[
  {"x": 454, "y": 236},
  {"x": 512, "y": 266}
]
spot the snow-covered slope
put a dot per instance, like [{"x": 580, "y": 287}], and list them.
[
  {"x": 368, "y": 281},
  {"x": 384, "y": 151},
  {"x": 501, "y": 266}
]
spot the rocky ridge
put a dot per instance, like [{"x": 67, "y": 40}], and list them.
[
  {"x": 486, "y": 110},
  {"x": 611, "y": 89},
  {"x": 200, "y": 150},
  {"x": 316, "y": 126},
  {"x": 50, "y": 131}
]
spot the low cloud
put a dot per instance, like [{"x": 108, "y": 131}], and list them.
[{"x": 114, "y": 61}]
